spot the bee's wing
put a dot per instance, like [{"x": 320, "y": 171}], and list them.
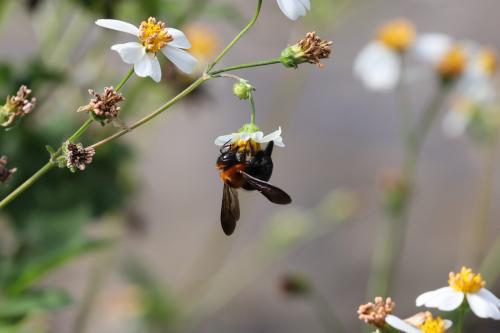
[
  {"x": 230, "y": 210},
  {"x": 274, "y": 194}
]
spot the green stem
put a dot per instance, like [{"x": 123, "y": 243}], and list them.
[
  {"x": 27, "y": 184},
  {"x": 156, "y": 113},
  {"x": 238, "y": 37},
  {"x": 392, "y": 236},
  {"x": 460, "y": 318},
  {"x": 252, "y": 109},
  {"x": 79, "y": 132},
  {"x": 243, "y": 66},
  {"x": 124, "y": 80}
]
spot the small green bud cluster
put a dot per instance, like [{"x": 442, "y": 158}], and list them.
[{"x": 243, "y": 90}]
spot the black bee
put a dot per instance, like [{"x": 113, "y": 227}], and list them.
[{"x": 249, "y": 168}]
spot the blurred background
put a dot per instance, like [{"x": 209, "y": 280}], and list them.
[{"x": 134, "y": 244}]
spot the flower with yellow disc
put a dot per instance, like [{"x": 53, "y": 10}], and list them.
[
  {"x": 420, "y": 323},
  {"x": 463, "y": 285}
]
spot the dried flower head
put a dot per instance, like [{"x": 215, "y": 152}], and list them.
[
  {"x": 311, "y": 49},
  {"x": 295, "y": 284},
  {"x": 77, "y": 157},
  {"x": 375, "y": 313},
  {"x": 5, "y": 173},
  {"x": 104, "y": 107},
  {"x": 17, "y": 106}
]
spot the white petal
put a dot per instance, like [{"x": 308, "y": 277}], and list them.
[
  {"x": 183, "y": 60},
  {"x": 274, "y": 136},
  {"x": 257, "y": 136},
  {"x": 119, "y": 26},
  {"x": 401, "y": 325},
  {"x": 224, "y": 139},
  {"x": 445, "y": 299},
  {"x": 454, "y": 123},
  {"x": 130, "y": 53},
  {"x": 148, "y": 66},
  {"x": 482, "y": 306},
  {"x": 180, "y": 40},
  {"x": 245, "y": 136},
  {"x": 378, "y": 67},
  {"x": 447, "y": 324},
  {"x": 488, "y": 295},
  {"x": 294, "y": 8},
  {"x": 431, "y": 48}
]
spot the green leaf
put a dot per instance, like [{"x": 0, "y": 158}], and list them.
[{"x": 36, "y": 301}]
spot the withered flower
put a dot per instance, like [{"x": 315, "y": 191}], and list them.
[
  {"x": 77, "y": 157},
  {"x": 5, "y": 173},
  {"x": 17, "y": 106},
  {"x": 104, "y": 107},
  {"x": 375, "y": 313},
  {"x": 311, "y": 49}
]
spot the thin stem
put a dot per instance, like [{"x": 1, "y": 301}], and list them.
[
  {"x": 79, "y": 132},
  {"x": 124, "y": 80},
  {"x": 237, "y": 38},
  {"x": 243, "y": 66},
  {"x": 27, "y": 184},
  {"x": 392, "y": 237},
  {"x": 490, "y": 267},
  {"x": 156, "y": 113},
  {"x": 404, "y": 102},
  {"x": 252, "y": 109}
]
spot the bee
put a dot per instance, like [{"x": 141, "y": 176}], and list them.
[{"x": 250, "y": 168}]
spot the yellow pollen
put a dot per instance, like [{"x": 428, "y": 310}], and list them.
[
  {"x": 397, "y": 35},
  {"x": 250, "y": 146},
  {"x": 433, "y": 325},
  {"x": 154, "y": 35},
  {"x": 453, "y": 63},
  {"x": 466, "y": 281},
  {"x": 488, "y": 61}
]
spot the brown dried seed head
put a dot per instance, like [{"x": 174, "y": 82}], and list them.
[
  {"x": 375, "y": 313},
  {"x": 315, "y": 49},
  {"x": 104, "y": 106},
  {"x": 17, "y": 106},
  {"x": 5, "y": 173},
  {"x": 78, "y": 157}
]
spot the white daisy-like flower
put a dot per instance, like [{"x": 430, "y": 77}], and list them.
[
  {"x": 294, "y": 8},
  {"x": 420, "y": 323},
  {"x": 475, "y": 92},
  {"x": 463, "y": 285},
  {"x": 378, "y": 65},
  {"x": 153, "y": 37},
  {"x": 257, "y": 136}
]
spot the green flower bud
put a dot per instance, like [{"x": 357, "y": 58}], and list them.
[
  {"x": 243, "y": 90},
  {"x": 249, "y": 128}
]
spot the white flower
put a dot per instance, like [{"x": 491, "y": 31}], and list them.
[
  {"x": 463, "y": 285},
  {"x": 257, "y": 136},
  {"x": 154, "y": 37},
  {"x": 294, "y": 8},
  {"x": 378, "y": 65},
  {"x": 420, "y": 323}
]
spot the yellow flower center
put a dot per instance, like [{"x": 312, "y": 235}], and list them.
[
  {"x": 433, "y": 325},
  {"x": 249, "y": 147},
  {"x": 397, "y": 35},
  {"x": 153, "y": 35},
  {"x": 204, "y": 43},
  {"x": 488, "y": 61},
  {"x": 466, "y": 281},
  {"x": 453, "y": 63}
]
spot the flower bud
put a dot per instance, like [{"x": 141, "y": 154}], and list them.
[
  {"x": 311, "y": 49},
  {"x": 243, "y": 90},
  {"x": 16, "y": 107}
]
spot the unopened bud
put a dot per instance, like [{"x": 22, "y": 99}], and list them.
[{"x": 243, "y": 90}]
